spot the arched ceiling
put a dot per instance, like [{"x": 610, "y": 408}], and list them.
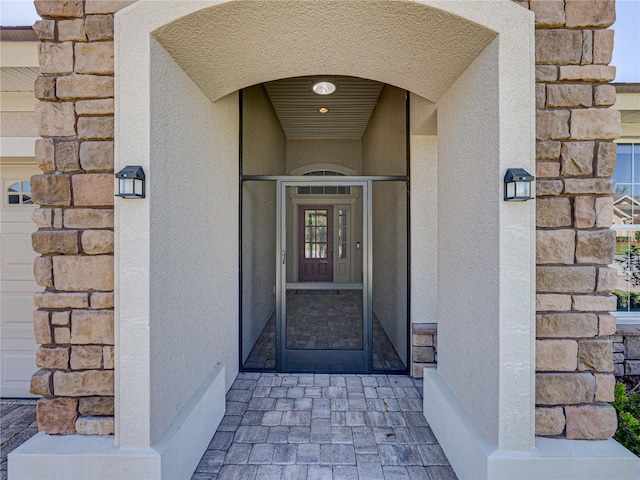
[{"x": 239, "y": 43}]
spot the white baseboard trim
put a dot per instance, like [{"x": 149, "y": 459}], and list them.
[
  {"x": 174, "y": 455},
  {"x": 472, "y": 456}
]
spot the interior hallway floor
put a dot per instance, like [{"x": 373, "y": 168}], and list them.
[
  {"x": 334, "y": 427},
  {"x": 324, "y": 319}
]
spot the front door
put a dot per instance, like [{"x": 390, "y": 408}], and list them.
[{"x": 315, "y": 243}]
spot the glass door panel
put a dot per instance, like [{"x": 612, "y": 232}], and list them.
[
  {"x": 259, "y": 275},
  {"x": 323, "y": 309},
  {"x": 389, "y": 274}
]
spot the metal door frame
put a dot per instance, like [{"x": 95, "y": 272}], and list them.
[{"x": 285, "y": 358}]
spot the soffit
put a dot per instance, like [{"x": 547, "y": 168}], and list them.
[
  {"x": 18, "y": 79},
  {"x": 18, "y": 34},
  {"x": 350, "y": 106},
  {"x": 234, "y": 45}
]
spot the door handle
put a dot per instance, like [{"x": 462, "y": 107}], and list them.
[{"x": 284, "y": 256}]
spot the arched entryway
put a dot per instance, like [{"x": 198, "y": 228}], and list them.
[
  {"x": 179, "y": 68},
  {"x": 198, "y": 59}
]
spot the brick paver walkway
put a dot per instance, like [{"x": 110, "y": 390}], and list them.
[
  {"x": 304, "y": 427},
  {"x": 17, "y": 425}
]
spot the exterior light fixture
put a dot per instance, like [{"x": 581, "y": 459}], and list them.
[
  {"x": 517, "y": 185},
  {"x": 131, "y": 182},
  {"x": 324, "y": 88},
  {"x": 323, "y": 110}
]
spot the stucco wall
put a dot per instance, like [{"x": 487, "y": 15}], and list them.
[
  {"x": 263, "y": 140},
  {"x": 194, "y": 260},
  {"x": 18, "y": 124},
  {"x": 263, "y": 153},
  {"x": 390, "y": 261},
  {"x": 384, "y": 150},
  {"x": 468, "y": 240},
  {"x": 424, "y": 229},
  {"x": 303, "y": 153},
  {"x": 384, "y": 153}
]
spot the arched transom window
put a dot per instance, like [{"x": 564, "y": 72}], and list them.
[{"x": 326, "y": 190}]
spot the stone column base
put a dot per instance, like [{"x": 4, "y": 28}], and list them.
[
  {"x": 472, "y": 456},
  {"x": 175, "y": 454}
]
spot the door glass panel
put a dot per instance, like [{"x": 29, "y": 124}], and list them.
[
  {"x": 342, "y": 233},
  {"x": 258, "y": 275},
  {"x": 323, "y": 326},
  {"x": 389, "y": 276}
]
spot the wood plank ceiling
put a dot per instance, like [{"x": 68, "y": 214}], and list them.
[{"x": 350, "y": 106}]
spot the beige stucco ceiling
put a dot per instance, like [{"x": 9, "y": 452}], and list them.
[
  {"x": 236, "y": 44},
  {"x": 350, "y": 106}
]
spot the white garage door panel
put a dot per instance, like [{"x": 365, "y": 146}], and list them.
[
  {"x": 17, "y": 344},
  {"x": 17, "y": 256},
  {"x": 17, "y": 368},
  {"x": 17, "y": 313}
]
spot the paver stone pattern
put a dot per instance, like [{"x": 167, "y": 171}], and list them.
[{"x": 305, "y": 426}]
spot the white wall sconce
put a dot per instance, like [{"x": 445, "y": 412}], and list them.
[
  {"x": 517, "y": 185},
  {"x": 131, "y": 182}
]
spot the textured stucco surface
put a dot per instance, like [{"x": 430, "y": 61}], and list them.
[
  {"x": 245, "y": 43},
  {"x": 263, "y": 141},
  {"x": 193, "y": 273},
  {"x": 263, "y": 153},
  {"x": 384, "y": 153},
  {"x": 303, "y": 154},
  {"x": 18, "y": 124},
  {"x": 416, "y": 59},
  {"x": 469, "y": 242},
  {"x": 424, "y": 228}
]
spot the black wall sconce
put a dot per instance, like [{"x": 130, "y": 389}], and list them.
[
  {"x": 131, "y": 182},
  {"x": 517, "y": 185}
]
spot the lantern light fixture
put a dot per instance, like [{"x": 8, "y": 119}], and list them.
[
  {"x": 131, "y": 182},
  {"x": 517, "y": 185}
]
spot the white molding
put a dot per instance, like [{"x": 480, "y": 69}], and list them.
[
  {"x": 472, "y": 456},
  {"x": 18, "y": 146},
  {"x": 176, "y": 454}
]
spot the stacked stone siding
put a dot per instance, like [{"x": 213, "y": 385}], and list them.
[
  {"x": 626, "y": 352},
  {"x": 74, "y": 319},
  {"x": 424, "y": 347},
  {"x": 575, "y": 160}
]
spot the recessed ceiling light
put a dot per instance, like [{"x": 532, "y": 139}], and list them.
[
  {"x": 323, "y": 110},
  {"x": 324, "y": 88}
]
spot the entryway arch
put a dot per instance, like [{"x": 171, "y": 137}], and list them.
[{"x": 179, "y": 67}]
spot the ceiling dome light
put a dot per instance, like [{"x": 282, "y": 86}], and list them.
[
  {"x": 323, "y": 110},
  {"x": 324, "y": 88}
]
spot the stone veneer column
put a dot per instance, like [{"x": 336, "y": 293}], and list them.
[
  {"x": 74, "y": 320},
  {"x": 575, "y": 161}
]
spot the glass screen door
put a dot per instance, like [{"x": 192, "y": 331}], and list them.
[{"x": 323, "y": 312}]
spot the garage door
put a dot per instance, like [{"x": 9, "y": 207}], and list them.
[{"x": 17, "y": 344}]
